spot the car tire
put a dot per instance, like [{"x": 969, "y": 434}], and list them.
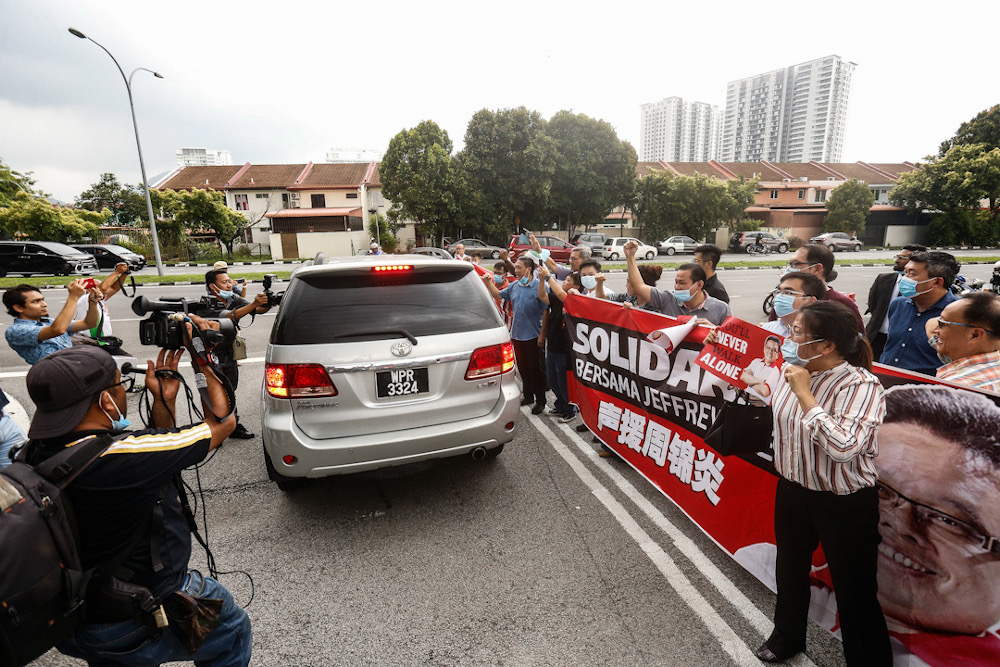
[
  {"x": 857, "y": 248},
  {"x": 496, "y": 254},
  {"x": 613, "y": 256},
  {"x": 782, "y": 247},
  {"x": 650, "y": 255},
  {"x": 286, "y": 484},
  {"x": 671, "y": 251},
  {"x": 3, "y": 273},
  {"x": 748, "y": 249}
]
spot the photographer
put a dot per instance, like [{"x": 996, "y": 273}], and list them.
[
  {"x": 234, "y": 307},
  {"x": 129, "y": 514},
  {"x": 33, "y": 335},
  {"x": 101, "y": 333}
]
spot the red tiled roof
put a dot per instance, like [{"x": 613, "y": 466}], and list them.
[
  {"x": 749, "y": 170},
  {"x": 334, "y": 176},
  {"x": 189, "y": 178},
  {"x": 796, "y": 170},
  {"x": 267, "y": 176},
  {"x": 692, "y": 168}
]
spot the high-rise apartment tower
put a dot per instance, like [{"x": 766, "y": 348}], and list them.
[
  {"x": 795, "y": 114},
  {"x": 678, "y": 131}
]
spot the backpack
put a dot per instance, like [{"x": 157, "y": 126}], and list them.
[{"x": 42, "y": 583}]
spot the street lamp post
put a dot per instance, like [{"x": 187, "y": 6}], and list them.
[{"x": 138, "y": 144}]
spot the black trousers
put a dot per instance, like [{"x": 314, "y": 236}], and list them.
[
  {"x": 528, "y": 357},
  {"x": 878, "y": 344},
  {"x": 847, "y": 527}
]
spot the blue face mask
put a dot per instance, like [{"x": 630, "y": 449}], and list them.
[
  {"x": 784, "y": 304},
  {"x": 790, "y": 351},
  {"x": 908, "y": 287},
  {"x": 497, "y": 279},
  {"x": 590, "y": 282},
  {"x": 525, "y": 280},
  {"x": 119, "y": 424},
  {"x": 226, "y": 294}
]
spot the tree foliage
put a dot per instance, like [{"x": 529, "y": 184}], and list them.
[
  {"x": 419, "y": 178},
  {"x": 965, "y": 177},
  {"x": 30, "y": 217},
  {"x": 983, "y": 129},
  {"x": 127, "y": 203},
  {"x": 206, "y": 210},
  {"x": 594, "y": 171},
  {"x": 847, "y": 207},
  {"x": 12, "y": 182},
  {"x": 691, "y": 205}
]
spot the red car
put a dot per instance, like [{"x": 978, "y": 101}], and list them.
[{"x": 558, "y": 249}]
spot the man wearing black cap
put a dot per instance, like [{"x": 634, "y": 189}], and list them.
[{"x": 127, "y": 506}]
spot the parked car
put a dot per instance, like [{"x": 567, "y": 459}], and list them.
[
  {"x": 676, "y": 244},
  {"x": 594, "y": 241},
  {"x": 44, "y": 257},
  {"x": 558, "y": 249},
  {"x": 389, "y": 370},
  {"x": 485, "y": 250},
  {"x": 838, "y": 241},
  {"x": 432, "y": 252},
  {"x": 614, "y": 248},
  {"x": 108, "y": 256},
  {"x": 741, "y": 240}
]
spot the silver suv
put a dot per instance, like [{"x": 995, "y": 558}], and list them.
[{"x": 385, "y": 360}]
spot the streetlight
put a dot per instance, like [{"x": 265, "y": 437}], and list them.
[{"x": 138, "y": 144}]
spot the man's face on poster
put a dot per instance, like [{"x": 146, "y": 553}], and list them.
[
  {"x": 771, "y": 350},
  {"x": 934, "y": 572}
]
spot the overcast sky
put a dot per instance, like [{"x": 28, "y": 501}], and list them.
[{"x": 283, "y": 82}]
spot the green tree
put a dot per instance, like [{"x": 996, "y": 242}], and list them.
[
  {"x": 848, "y": 206},
  {"x": 594, "y": 170},
  {"x": 206, "y": 210},
  {"x": 384, "y": 231},
  {"x": 127, "y": 203},
  {"x": 418, "y": 177},
  {"x": 35, "y": 218},
  {"x": 692, "y": 205},
  {"x": 509, "y": 162},
  {"x": 13, "y": 182},
  {"x": 965, "y": 177},
  {"x": 983, "y": 129}
]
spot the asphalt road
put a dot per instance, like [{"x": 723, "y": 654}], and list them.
[{"x": 548, "y": 555}]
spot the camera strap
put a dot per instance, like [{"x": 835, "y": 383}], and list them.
[{"x": 203, "y": 357}]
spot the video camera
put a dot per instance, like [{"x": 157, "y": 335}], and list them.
[
  {"x": 165, "y": 325},
  {"x": 272, "y": 298}
]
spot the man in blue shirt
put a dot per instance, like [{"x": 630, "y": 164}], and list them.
[
  {"x": 525, "y": 329},
  {"x": 33, "y": 335},
  {"x": 924, "y": 291}
]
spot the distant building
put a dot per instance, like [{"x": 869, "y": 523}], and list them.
[
  {"x": 350, "y": 155},
  {"x": 794, "y": 114},
  {"x": 203, "y": 157},
  {"x": 678, "y": 131}
]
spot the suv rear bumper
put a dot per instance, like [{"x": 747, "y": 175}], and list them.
[{"x": 341, "y": 456}]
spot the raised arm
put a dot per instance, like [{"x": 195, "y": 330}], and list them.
[{"x": 639, "y": 286}]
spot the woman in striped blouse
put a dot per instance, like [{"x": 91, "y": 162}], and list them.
[{"x": 826, "y": 416}]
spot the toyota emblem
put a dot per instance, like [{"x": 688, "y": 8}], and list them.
[{"x": 401, "y": 349}]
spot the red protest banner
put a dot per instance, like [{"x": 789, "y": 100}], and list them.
[{"x": 939, "y": 580}]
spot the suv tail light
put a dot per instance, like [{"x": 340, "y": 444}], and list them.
[
  {"x": 298, "y": 381},
  {"x": 490, "y": 361}
]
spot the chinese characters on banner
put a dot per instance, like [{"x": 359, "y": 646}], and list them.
[{"x": 654, "y": 407}]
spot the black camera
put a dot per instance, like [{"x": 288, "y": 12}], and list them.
[
  {"x": 272, "y": 298},
  {"x": 165, "y": 325}
]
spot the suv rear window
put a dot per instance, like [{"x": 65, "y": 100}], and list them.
[{"x": 358, "y": 305}]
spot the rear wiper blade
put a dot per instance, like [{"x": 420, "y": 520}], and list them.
[{"x": 379, "y": 332}]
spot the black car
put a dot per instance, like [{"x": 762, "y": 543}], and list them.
[
  {"x": 108, "y": 255},
  {"x": 44, "y": 257}
]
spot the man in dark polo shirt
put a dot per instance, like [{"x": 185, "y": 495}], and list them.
[
  {"x": 707, "y": 256},
  {"x": 127, "y": 501}
]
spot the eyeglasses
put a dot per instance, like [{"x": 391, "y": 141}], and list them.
[
  {"x": 128, "y": 382},
  {"x": 794, "y": 263},
  {"x": 798, "y": 333},
  {"x": 906, "y": 257},
  {"x": 940, "y": 526},
  {"x": 945, "y": 324},
  {"x": 790, "y": 292}
]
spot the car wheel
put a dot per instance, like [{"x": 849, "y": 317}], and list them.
[
  {"x": 650, "y": 255},
  {"x": 3, "y": 273},
  {"x": 496, "y": 254},
  {"x": 671, "y": 251},
  {"x": 857, "y": 248},
  {"x": 613, "y": 256},
  {"x": 782, "y": 247},
  {"x": 286, "y": 484},
  {"x": 749, "y": 249}
]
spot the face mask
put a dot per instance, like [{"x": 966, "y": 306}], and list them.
[
  {"x": 590, "y": 282},
  {"x": 497, "y": 279},
  {"x": 908, "y": 287},
  {"x": 790, "y": 351},
  {"x": 791, "y": 269},
  {"x": 226, "y": 294},
  {"x": 682, "y": 295},
  {"x": 784, "y": 304},
  {"x": 119, "y": 424},
  {"x": 525, "y": 280}
]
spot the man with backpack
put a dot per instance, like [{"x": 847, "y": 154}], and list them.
[{"x": 143, "y": 605}]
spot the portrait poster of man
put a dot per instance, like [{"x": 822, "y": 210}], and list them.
[
  {"x": 939, "y": 468},
  {"x": 746, "y": 356}
]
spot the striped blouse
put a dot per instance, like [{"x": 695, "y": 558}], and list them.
[{"x": 833, "y": 446}]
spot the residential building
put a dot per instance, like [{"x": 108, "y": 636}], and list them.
[
  {"x": 678, "y": 131},
  {"x": 297, "y": 210},
  {"x": 203, "y": 157},
  {"x": 340, "y": 155},
  {"x": 794, "y": 114}
]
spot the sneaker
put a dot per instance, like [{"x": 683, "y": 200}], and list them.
[
  {"x": 526, "y": 400},
  {"x": 565, "y": 419},
  {"x": 582, "y": 428},
  {"x": 538, "y": 409},
  {"x": 241, "y": 433},
  {"x": 556, "y": 412}
]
